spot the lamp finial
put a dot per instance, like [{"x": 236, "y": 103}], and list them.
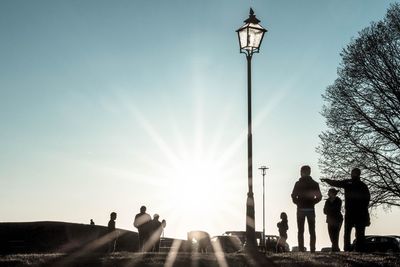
[{"x": 252, "y": 18}]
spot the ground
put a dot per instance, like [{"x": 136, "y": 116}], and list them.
[{"x": 291, "y": 259}]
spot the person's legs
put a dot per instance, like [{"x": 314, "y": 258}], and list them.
[
  {"x": 360, "y": 236},
  {"x": 300, "y": 229},
  {"x": 278, "y": 245},
  {"x": 147, "y": 245},
  {"x": 142, "y": 240},
  {"x": 348, "y": 224},
  {"x": 311, "y": 229},
  {"x": 338, "y": 227},
  {"x": 331, "y": 234},
  {"x": 334, "y": 230},
  {"x": 283, "y": 243}
]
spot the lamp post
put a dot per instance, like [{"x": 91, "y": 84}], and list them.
[
  {"x": 263, "y": 169},
  {"x": 250, "y": 38}
]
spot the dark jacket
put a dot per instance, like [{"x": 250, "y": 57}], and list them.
[
  {"x": 332, "y": 209},
  {"x": 356, "y": 197},
  {"x": 306, "y": 193},
  {"x": 142, "y": 222}
]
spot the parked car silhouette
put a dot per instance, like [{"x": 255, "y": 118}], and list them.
[
  {"x": 377, "y": 243},
  {"x": 270, "y": 240},
  {"x": 226, "y": 244}
]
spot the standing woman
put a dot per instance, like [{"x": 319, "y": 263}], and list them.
[
  {"x": 334, "y": 217},
  {"x": 282, "y": 227}
]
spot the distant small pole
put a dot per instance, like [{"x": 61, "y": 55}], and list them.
[{"x": 263, "y": 172}]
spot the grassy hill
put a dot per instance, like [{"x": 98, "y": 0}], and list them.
[
  {"x": 59, "y": 237},
  {"x": 126, "y": 259}
]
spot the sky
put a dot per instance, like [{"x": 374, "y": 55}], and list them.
[{"x": 110, "y": 105}]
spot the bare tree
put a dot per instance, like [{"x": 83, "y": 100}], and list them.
[{"x": 362, "y": 110}]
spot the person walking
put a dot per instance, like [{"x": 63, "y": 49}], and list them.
[
  {"x": 305, "y": 195},
  {"x": 334, "y": 217},
  {"x": 282, "y": 227},
  {"x": 357, "y": 198},
  {"x": 141, "y": 222}
]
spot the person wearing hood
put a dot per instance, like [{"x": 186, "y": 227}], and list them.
[
  {"x": 334, "y": 217},
  {"x": 305, "y": 195}
]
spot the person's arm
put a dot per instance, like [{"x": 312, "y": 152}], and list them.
[
  {"x": 341, "y": 184},
  {"x": 317, "y": 194},
  {"x": 326, "y": 207},
  {"x": 295, "y": 194}
]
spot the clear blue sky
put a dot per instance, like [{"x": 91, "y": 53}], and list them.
[{"x": 108, "y": 105}]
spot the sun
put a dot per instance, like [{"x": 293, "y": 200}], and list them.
[{"x": 195, "y": 187}]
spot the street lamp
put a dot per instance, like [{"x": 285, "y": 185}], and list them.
[
  {"x": 250, "y": 37},
  {"x": 263, "y": 170}
]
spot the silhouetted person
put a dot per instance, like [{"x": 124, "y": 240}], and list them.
[
  {"x": 155, "y": 234},
  {"x": 356, "y": 197},
  {"x": 141, "y": 222},
  {"x": 334, "y": 217},
  {"x": 305, "y": 195},
  {"x": 112, "y": 233},
  {"x": 282, "y": 227},
  {"x": 91, "y": 222}
]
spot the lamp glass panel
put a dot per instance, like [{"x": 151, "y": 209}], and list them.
[
  {"x": 243, "y": 36},
  {"x": 255, "y": 36}
]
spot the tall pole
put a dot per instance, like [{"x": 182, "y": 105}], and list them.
[
  {"x": 250, "y": 38},
  {"x": 250, "y": 218},
  {"x": 263, "y": 169}
]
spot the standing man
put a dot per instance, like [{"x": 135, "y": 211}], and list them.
[
  {"x": 356, "y": 197},
  {"x": 141, "y": 222},
  {"x": 305, "y": 195}
]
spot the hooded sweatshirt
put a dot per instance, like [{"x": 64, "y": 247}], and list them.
[{"x": 306, "y": 193}]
